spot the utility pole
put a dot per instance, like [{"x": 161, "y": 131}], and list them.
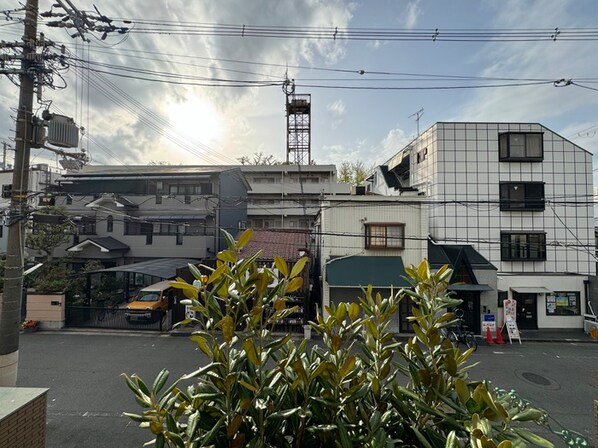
[
  {"x": 10, "y": 305},
  {"x": 33, "y": 75}
]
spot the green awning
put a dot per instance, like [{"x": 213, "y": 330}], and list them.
[{"x": 380, "y": 272}]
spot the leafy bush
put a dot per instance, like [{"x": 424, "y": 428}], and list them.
[{"x": 359, "y": 388}]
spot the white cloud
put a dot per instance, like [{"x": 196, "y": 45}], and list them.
[
  {"x": 412, "y": 13},
  {"x": 370, "y": 154},
  {"x": 531, "y": 61},
  {"x": 131, "y": 123},
  {"x": 336, "y": 108}
]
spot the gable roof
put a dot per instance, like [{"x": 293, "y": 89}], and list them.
[
  {"x": 285, "y": 243},
  {"x": 453, "y": 254},
  {"x": 105, "y": 244}
]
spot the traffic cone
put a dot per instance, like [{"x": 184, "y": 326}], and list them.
[
  {"x": 489, "y": 339},
  {"x": 499, "y": 339}
]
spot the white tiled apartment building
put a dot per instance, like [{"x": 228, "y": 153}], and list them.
[{"x": 521, "y": 195}]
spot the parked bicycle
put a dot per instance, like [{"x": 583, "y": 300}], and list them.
[{"x": 459, "y": 334}]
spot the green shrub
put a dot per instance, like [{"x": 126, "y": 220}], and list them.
[{"x": 359, "y": 388}]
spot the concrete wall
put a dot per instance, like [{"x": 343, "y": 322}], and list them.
[{"x": 48, "y": 309}]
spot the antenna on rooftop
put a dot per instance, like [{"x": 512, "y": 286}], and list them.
[{"x": 417, "y": 116}]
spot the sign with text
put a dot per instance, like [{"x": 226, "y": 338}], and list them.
[
  {"x": 510, "y": 309},
  {"x": 512, "y": 330},
  {"x": 489, "y": 322}
]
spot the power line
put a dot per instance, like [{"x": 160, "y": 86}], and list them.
[{"x": 143, "y": 26}]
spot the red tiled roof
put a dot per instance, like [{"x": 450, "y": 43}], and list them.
[{"x": 283, "y": 242}]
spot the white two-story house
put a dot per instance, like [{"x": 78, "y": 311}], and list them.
[{"x": 369, "y": 240}]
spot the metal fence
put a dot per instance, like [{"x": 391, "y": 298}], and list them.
[{"x": 115, "y": 318}]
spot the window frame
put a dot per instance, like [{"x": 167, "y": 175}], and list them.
[
  {"x": 511, "y": 247},
  {"x": 528, "y": 203},
  {"x": 86, "y": 225},
  {"x": 526, "y": 158},
  {"x": 383, "y": 225}
]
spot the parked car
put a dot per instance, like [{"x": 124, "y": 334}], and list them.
[{"x": 151, "y": 303}]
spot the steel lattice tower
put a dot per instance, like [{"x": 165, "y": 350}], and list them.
[{"x": 298, "y": 109}]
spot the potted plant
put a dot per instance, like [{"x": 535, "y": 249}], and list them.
[{"x": 30, "y": 325}]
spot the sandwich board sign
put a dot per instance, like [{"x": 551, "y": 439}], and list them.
[{"x": 510, "y": 315}]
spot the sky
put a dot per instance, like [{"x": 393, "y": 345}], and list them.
[{"x": 137, "y": 121}]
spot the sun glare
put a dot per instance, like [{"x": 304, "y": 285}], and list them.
[{"x": 196, "y": 120}]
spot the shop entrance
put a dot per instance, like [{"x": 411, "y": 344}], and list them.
[
  {"x": 527, "y": 310},
  {"x": 471, "y": 310}
]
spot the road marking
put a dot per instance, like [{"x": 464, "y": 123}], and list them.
[{"x": 499, "y": 353}]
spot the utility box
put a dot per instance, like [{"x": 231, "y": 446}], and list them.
[{"x": 63, "y": 132}]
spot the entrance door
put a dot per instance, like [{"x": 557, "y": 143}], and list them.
[
  {"x": 471, "y": 310},
  {"x": 527, "y": 316}
]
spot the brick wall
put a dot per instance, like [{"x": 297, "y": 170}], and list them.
[{"x": 26, "y": 427}]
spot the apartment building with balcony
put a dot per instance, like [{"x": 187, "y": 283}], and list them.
[
  {"x": 128, "y": 214},
  {"x": 521, "y": 195},
  {"x": 288, "y": 196}
]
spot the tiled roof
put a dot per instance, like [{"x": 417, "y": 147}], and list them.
[{"x": 283, "y": 242}]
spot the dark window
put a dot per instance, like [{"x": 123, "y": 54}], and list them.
[
  {"x": 521, "y": 146},
  {"x": 195, "y": 228},
  {"x": 86, "y": 226},
  {"x": 158, "y": 199},
  {"x": 1, "y": 230},
  {"x": 187, "y": 199},
  {"x": 179, "y": 239},
  {"x": 168, "y": 229},
  {"x": 563, "y": 304},
  {"x": 6, "y": 191},
  {"x": 522, "y": 246},
  {"x": 138, "y": 228},
  {"x": 109, "y": 224},
  {"x": 384, "y": 236},
  {"x": 522, "y": 195},
  {"x": 69, "y": 199}
]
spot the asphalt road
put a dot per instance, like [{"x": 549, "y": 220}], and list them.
[{"x": 87, "y": 395}]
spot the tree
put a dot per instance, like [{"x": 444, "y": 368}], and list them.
[
  {"x": 353, "y": 172},
  {"x": 48, "y": 229},
  {"x": 259, "y": 158},
  {"x": 359, "y": 387}
]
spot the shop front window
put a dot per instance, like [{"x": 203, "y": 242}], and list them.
[{"x": 562, "y": 303}]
